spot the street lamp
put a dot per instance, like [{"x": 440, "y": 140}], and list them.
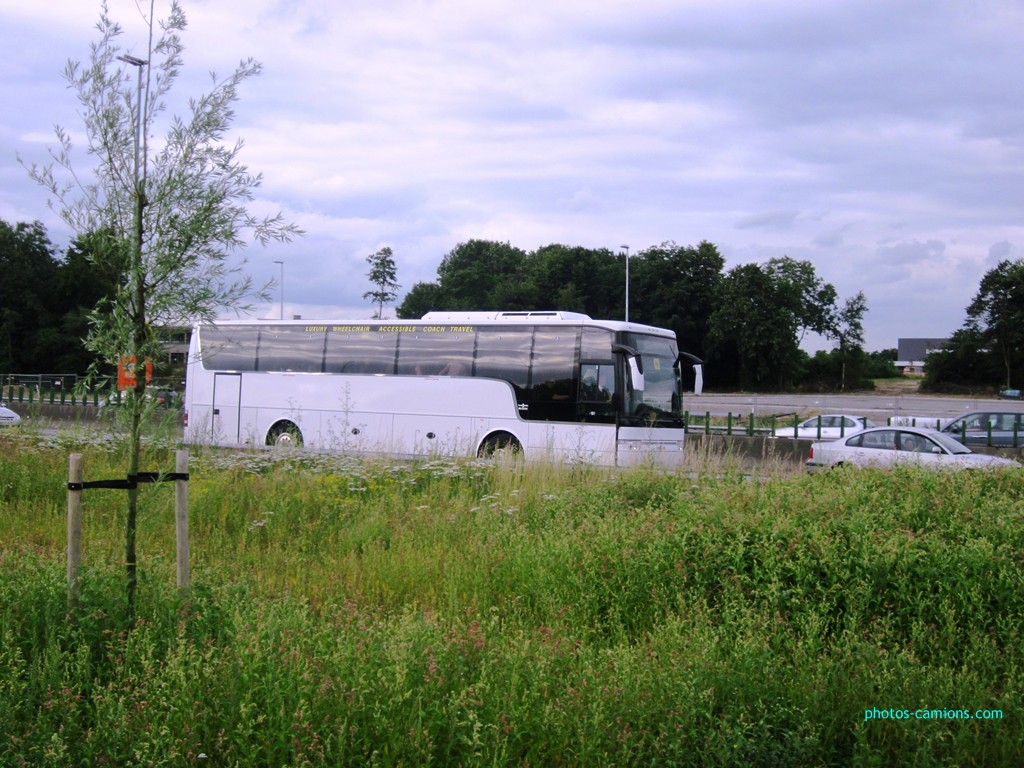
[
  {"x": 626, "y": 249},
  {"x": 139, "y": 194},
  {"x": 138, "y": 64},
  {"x": 278, "y": 261}
]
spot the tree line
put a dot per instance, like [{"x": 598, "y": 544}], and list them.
[
  {"x": 747, "y": 323},
  {"x": 46, "y": 301}
]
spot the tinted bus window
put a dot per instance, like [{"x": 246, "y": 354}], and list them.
[
  {"x": 229, "y": 348},
  {"x": 596, "y": 345},
  {"x": 435, "y": 354},
  {"x": 360, "y": 352},
  {"x": 504, "y": 354},
  {"x": 553, "y": 362},
  {"x": 290, "y": 348}
]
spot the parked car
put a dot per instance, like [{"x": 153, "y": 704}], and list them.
[
  {"x": 8, "y": 418},
  {"x": 893, "y": 446},
  {"x": 928, "y": 422},
  {"x": 826, "y": 427},
  {"x": 987, "y": 428},
  {"x": 165, "y": 398}
]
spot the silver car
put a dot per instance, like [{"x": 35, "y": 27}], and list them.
[
  {"x": 8, "y": 418},
  {"x": 988, "y": 428},
  {"x": 828, "y": 426},
  {"x": 895, "y": 446}
]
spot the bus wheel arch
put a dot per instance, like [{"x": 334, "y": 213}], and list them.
[
  {"x": 499, "y": 441},
  {"x": 285, "y": 434}
]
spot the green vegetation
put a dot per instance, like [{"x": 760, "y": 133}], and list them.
[{"x": 478, "y": 613}]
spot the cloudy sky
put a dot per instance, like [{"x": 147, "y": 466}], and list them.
[{"x": 882, "y": 140}]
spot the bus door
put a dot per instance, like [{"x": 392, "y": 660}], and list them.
[{"x": 227, "y": 390}]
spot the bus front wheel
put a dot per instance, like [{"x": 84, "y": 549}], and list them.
[
  {"x": 499, "y": 441},
  {"x": 284, "y": 434}
]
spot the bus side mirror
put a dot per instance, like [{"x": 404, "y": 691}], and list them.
[
  {"x": 636, "y": 365},
  {"x": 636, "y": 373},
  {"x": 698, "y": 371}
]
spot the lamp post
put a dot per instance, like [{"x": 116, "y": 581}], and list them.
[
  {"x": 281, "y": 313},
  {"x": 140, "y": 203},
  {"x": 138, "y": 64},
  {"x": 139, "y": 332},
  {"x": 626, "y": 249}
]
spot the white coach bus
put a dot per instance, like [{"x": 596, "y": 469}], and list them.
[{"x": 550, "y": 384}]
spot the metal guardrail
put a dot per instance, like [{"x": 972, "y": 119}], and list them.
[
  {"x": 735, "y": 424},
  {"x": 31, "y": 395},
  {"x": 20, "y": 393},
  {"x": 769, "y": 426}
]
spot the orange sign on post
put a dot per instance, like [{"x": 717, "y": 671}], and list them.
[{"x": 126, "y": 372}]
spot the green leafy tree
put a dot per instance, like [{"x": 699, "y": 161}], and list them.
[
  {"x": 753, "y": 332},
  {"x": 168, "y": 224},
  {"x": 997, "y": 311},
  {"x": 678, "y": 287},
  {"x": 805, "y": 296},
  {"x": 28, "y": 269},
  {"x": 82, "y": 285},
  {"x": 46, "y": 300},
  {"x": 762, "y": 314},
  {"x": 577, "y": 279},
  {"x": 482, "y": 274},
  {"x": 989, "y": 347},
  {"x": 881, "y": 364},
  {"x": 421, "y": 298},
  {"x": 382, "y": 274},
  {"x": 963, "y": 365}
]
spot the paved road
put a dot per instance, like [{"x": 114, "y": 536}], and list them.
[{"x": 875, "y": 407}]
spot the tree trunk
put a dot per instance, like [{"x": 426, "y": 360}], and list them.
[{"x": 137, "y": 402}]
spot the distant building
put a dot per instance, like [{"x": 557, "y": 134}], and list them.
[
  {"x": 910, "y": 353},
  {"x": 174, "y": 340}
]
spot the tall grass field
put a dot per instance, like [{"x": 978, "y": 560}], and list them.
[{"x": 447, "y": 613}]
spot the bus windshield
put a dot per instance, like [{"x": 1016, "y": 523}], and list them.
[{"x": 659, "y": 402}]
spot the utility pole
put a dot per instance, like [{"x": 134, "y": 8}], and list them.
[
  {"x": 626, "y": 249},
  {"x": 281, "y": 311}
]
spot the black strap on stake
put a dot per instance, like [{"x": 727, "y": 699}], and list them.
[{"x": 131, "y": 482}]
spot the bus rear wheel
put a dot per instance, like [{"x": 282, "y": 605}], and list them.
[
  {"x": 499, "y": 441},
  {"x": 285, "y": 434}
]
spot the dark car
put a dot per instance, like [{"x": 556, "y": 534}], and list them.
[{"x": 988, "y": 428}]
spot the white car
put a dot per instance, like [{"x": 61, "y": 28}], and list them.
[
  {"x": 830, "y": 426},
  {"x": 8, "y": 418},
  {"x": 893, "y": 446}
]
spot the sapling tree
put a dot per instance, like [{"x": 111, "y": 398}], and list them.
[
  {"x": 382, "y": 274},
  {"x": 847, "y": 329},
  {"x": 167, "y": 215}
]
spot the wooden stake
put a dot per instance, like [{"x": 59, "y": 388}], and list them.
[
  {"x": 74, "y": 527},
  {"x": 181, "y": 519}
]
